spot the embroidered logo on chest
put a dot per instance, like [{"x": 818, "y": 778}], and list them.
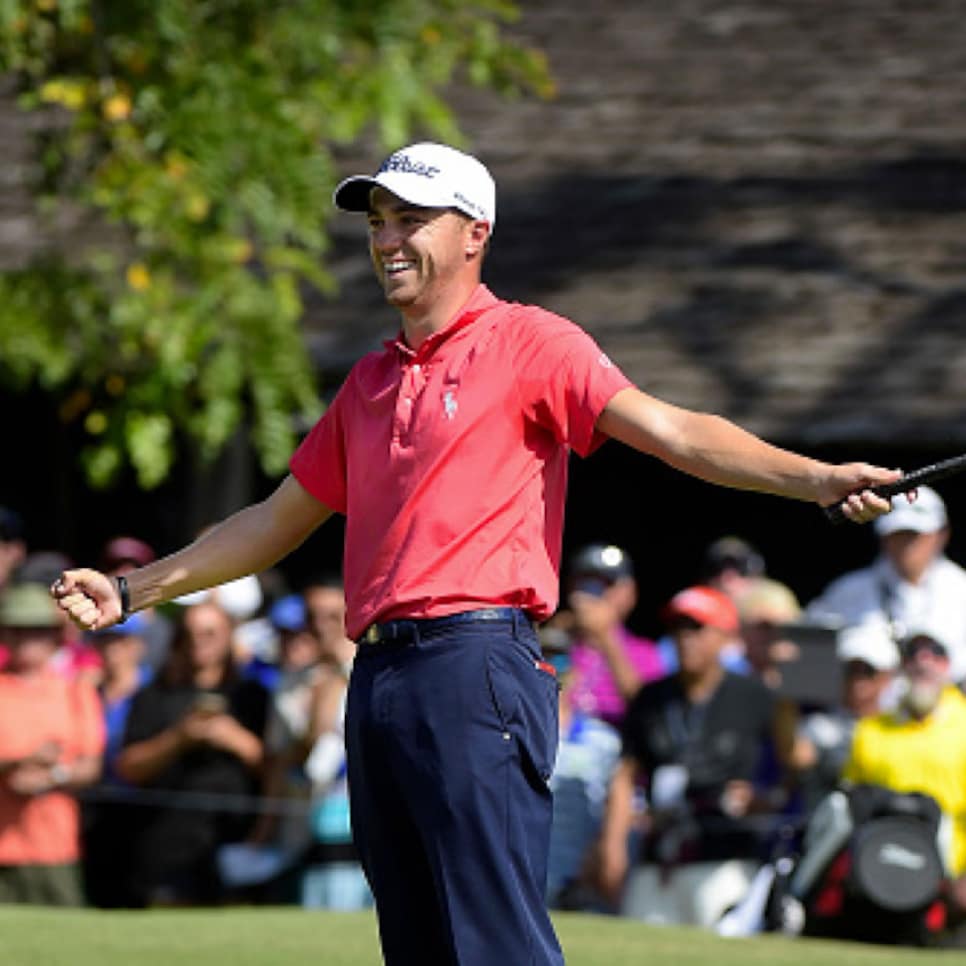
[{"x": 450, "y": 405}]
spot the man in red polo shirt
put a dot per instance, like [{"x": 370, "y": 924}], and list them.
[{"x": 447, "y": 453}]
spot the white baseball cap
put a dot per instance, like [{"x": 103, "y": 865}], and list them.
[
  {"x": 429, "y": 175},
  {"x": 925, "y": 514},
  {"x": 870, "y": 642}
]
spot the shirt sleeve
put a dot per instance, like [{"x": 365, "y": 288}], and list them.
[
  {"x": 565, "y": 378},
  {"x": 319, "y": 463}
]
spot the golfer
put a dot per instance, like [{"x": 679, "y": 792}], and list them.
[{"x": 447, "y": 452}]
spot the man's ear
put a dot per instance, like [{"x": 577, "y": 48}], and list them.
[{"x": 477, "y": 237}]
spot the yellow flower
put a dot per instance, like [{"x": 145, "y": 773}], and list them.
[
  {"x": 117, "y": 107},
  {"x": 69, "y": 93},
  {"x": 138, "y": 276}
]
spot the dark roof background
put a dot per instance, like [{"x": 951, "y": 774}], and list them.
[{"x": 758, "y": 208}]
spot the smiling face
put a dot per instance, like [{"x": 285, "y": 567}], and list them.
[{"x": 421, "y": 255}]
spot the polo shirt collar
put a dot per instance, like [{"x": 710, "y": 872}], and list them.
[{"x": 482, "y": 300}]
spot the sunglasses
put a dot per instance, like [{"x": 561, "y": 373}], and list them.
[
  {"x": 919, "y": 644},
  {"x": 683, "y": 623}
]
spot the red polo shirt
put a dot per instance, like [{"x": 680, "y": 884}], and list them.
[{"x": 450, "y": 463}]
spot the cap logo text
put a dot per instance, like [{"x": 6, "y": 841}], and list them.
[{"x": 405, "y": 165}]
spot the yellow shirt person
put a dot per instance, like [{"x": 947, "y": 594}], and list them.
[{"x": 928, "y": 755}]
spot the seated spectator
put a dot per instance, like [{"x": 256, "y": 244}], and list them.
[
  {"x": 695, "y": 739},
  {"x": 111, "y": 815},
  {"x": 609, "y": 662},
  {"x": 920, "y": 746},
  {"x": 911, "y": 583},
  {"x": 51, "y": 740},
  {"x": 586, "y": 756},
  {"x": 194, "y": 740},
  {"x": 869, "y": 659},
  {"x": 121, "y": 555}
]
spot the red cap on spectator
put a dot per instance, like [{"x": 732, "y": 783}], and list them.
[
  {"x": 704, "y": 605},
  {"x": 127, "y": 550}
]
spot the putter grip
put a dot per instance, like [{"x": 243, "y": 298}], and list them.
[{"x": 921, "y": 477}]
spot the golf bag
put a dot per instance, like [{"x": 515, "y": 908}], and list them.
[{"x": 871, "y": 868}]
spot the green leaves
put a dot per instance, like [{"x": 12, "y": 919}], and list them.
[{"x": 198, "y": 136}]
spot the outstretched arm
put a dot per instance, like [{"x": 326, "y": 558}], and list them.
[
  {"x": 716, "y": 450},
  {"x": 247, "y": 542}
]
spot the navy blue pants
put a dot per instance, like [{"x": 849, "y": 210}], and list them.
[{"x": 451, "y": 734}]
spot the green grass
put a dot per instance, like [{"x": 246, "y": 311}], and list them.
[{"x": 292, "y": 937}]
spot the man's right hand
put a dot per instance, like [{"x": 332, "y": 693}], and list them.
[{"x": 88, "y": 597}]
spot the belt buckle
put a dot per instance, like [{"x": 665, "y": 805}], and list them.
[{"x": 371, "y": 635}]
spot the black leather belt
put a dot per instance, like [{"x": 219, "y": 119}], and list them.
[{"x": 405, "y": 629}]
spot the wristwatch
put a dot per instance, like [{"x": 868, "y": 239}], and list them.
[{"x": 124, "y": 595}]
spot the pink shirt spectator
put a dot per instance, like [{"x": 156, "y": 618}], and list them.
[
  {"x": 450, "y": 462},
  {"x": 594, "y": 691}
]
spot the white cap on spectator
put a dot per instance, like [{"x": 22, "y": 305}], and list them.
[
  {"x": 925, "y": 514},
  {"x": 241, "y": 598},
  {"x": 870, "y": 642}
]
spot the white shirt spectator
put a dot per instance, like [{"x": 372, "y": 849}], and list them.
[{"x": 938, "y": 600}]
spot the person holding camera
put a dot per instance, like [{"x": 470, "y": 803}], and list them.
[
  {"x": 609, "y": 663},
  {"x": 194, "y": 742}
]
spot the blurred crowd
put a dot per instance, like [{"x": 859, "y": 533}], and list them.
[{"x": 765, "y": 764}]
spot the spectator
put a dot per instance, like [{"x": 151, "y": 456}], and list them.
[
  {"x": 695, "y": 738},
  {"x": 609, "y": 662},
  {"x": 910, "y": 584},
  {"x": 324, "y": 597},
  {"x": 287, "y": 733},
  {"x": 334, "y": 877},
  {"x": 194, "y": 739},
  {"x": 920, "y": 746},
  {"x": 764, "y": 606},
  {"x": 51, "y": 739},
  {"x": 13, "y": 547},
  {"x": 111, "y": 815},
  {"x": 75, "y": 657},
  {"x": 242, "y": 599},
  {"x": 869, "y": 660},
  {"x": 121, "y": 555},
  {"x": 586, "y": 756},
  {"x": 729, "y": 564}
]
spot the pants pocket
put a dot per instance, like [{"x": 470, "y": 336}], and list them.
[{"x": 525, "y": 699}]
